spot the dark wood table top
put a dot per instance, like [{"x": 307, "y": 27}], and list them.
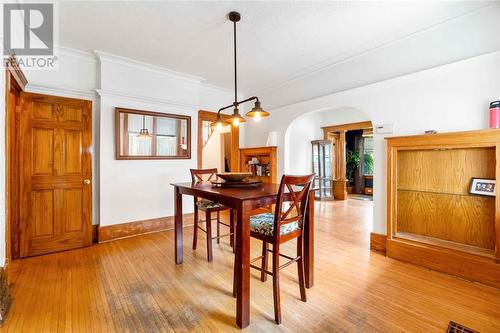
[{"x": 240, "y": 193}]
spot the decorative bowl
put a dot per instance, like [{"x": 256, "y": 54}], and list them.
[{"x": 234, "y": 176}]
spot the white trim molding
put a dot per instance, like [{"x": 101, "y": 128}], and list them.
[
  {"x": 61, "y": 91},
  {"x": 108, "y": 57},
  {"x": 77, "y": 54},
  {"x": 147, "y": 99}
]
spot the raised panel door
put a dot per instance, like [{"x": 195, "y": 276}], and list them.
[{"x": 55, "y": 166}]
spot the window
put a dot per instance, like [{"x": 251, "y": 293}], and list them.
[
  {"x": 206, "y": 130},
  {"x": 368, "y": 158},
  {"x": 150, "y": 135}
]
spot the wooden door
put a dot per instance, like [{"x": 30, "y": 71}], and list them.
[{"x": 55, "y": 174}]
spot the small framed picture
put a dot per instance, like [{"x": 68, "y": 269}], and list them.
[{"x": 483, "y": 186}]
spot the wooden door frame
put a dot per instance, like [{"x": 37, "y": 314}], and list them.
[
  {"x": 336, "y": 134},
  {"x": 235, "y": 139},
  {"x": 15, "y": 81}
]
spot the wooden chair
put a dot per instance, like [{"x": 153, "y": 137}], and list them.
[
  {"x": 209, "y": 207},
  {"x": 288, "y": 218}
]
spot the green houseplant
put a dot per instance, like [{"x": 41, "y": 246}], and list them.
[
  {"x": 352, "y": 164},
  {"x": 368, "y": 164}
]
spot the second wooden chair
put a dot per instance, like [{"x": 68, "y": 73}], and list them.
[
  {"x": 209, "y": 207},
  {"x": 285, "y": 224}
]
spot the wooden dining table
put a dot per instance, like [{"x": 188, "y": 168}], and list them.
[{"x": 243, "y": 201}]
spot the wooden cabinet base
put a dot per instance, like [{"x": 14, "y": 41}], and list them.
[
  {"x": 340, "y": 189},
  {"x": 471, "y": 267}
]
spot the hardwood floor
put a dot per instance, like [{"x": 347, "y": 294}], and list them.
[{"x": 133, "y": 285}]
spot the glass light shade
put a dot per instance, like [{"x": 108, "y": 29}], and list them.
[
  {"x": 257, "y": 112},
  {"x": 144, "y": 134}
]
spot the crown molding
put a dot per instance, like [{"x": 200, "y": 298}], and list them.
[
  {"x": 210, "y": 86},
  {"x": 77, "y": 54},
  {"x": 147, "y": 99},
  {"x": 61, "y": 91},
  {"x": 108, "y": 57}
]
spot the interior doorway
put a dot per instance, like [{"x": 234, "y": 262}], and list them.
[
  {"x": 352, "y": 159},
  {"x": 217, "y": 148},
  {"x": 359, "y": 164}
]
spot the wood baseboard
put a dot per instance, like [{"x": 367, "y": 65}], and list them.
[
  {"x": 116, "y": 231},
  {"x": 469, "y": 266},
  {"x": 95, "y": 233},
  {"x": 377, "y": 242}
]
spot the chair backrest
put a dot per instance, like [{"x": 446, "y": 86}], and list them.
[
  {"x": 294, "y": 194},
  {"x": 203, "y": 175}
]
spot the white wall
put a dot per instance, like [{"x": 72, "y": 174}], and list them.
[
  {"x": 132, "y": 190},
  {"x": 212, "y": 156},
  {"x": 452, "y": 97},
  {"x": 303, "y": 129}
]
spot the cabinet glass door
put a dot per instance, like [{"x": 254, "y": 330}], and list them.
[{"x": 322, "y": 167}]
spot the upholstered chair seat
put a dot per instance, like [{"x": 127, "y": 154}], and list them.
[
  {"x": 204, "y": 204},
  {"x": 264, "y": 224}
]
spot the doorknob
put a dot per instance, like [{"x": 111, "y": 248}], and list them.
[{"x": 86, "y": 181}]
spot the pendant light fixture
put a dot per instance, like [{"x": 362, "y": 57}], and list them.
[
  {"x": 257, "y": 112},
  {"x": 144, "y": 133}
]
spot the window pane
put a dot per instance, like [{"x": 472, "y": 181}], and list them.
[
  {"x": 206, "y": 130},
  {"x": 368, "y": 158},
  {"x": 165, "y": 126},
  {"x": 138, "y": 146},
  {"x": 166, "y": 146},
  {"x": 136, "y": 122}
]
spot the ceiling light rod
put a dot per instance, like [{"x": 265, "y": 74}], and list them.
[
  {"x": 257, "y": 112},
  {"x": 236, "y": 103}
]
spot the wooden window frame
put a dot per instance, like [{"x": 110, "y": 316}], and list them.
[{"x": 118, "y": 139}]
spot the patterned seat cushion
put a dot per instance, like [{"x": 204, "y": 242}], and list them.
[
  {"x": 204, "y": 204},
  {"x": 264, "y": 224}
]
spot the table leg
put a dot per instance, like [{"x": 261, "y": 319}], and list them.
[
  {"x": 178, "y": 225},
  {"x": 243, "y": 267},
  {"x": 309, "y": 243}
]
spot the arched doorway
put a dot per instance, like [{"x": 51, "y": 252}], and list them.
[{"x": 351, "y": 158}]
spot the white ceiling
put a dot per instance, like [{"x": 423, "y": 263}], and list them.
[{"x": 277, "y": 41}]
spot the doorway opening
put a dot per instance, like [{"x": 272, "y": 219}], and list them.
[
  {"x": 217, "y": 148},
  {"x": 352, "y": 160}
]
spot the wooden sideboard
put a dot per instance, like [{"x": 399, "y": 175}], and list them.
[{"x": 432, "y": 219}]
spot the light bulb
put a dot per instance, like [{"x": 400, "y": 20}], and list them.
[
  {"x": 219, "y": 126},
  {"x": 236, "y": 122},
  {"x": 257, "y": 117}
]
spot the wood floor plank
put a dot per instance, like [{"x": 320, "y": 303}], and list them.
[{"x": 133, "y": 285}]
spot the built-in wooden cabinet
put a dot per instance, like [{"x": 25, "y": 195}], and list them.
[
  {"x": 432, "y": 219},
  {"x": 261, "y": 161},
  {"x": 322, "y": 169}
]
